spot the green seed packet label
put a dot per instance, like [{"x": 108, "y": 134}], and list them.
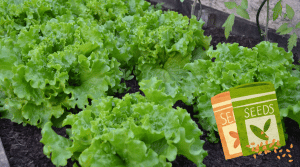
[{"x": 257, "y": 117}]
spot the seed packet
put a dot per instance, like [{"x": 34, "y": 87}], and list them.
[
  {"x": 225, "y": 120},
  {"x": 257, "y": 117}
]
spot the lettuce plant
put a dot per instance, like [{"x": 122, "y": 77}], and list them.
[
  {"x": 132, "y": 131},
  {"x": 234, "y": 65},
  {"x": 155, "y": 47},
  {"x": 41, "y": 79},
  {"x": 172, "y": 50}
]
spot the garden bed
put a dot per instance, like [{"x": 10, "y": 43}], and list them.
[{"x": 23, "y": 148}]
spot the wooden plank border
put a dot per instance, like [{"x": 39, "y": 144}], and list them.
[{"x": 3, "y": 158}]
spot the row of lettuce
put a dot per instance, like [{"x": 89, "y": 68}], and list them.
[{"x": 62, "y": 61}]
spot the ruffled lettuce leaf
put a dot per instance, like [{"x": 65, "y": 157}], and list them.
[
  {"x": 55, "y": 146},
  {"x": 161, "y": 93}
]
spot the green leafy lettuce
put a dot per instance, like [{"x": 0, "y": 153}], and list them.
[
  {"x": 49, "y": 68},
  {"x": 132, "y": 131},
  {"x": 234, "y": 65}
]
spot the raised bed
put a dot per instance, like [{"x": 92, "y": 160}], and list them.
[{"x": 23, "y": 148}]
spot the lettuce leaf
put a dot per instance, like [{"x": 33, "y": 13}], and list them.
[{"x": 56, "y": 146}]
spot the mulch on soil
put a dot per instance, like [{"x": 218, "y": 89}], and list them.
[{"x": 23, "y": 148}]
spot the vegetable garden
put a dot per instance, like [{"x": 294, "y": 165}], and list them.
[{"x": 63, "y": 62}]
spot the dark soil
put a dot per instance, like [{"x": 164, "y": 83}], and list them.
[{"x": 23, "y": 148}]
